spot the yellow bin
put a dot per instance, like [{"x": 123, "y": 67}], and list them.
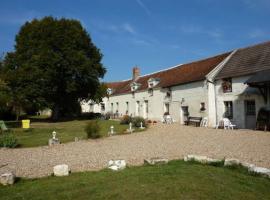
[{"x": 26, "y": 123}]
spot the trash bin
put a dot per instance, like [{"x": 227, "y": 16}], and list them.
[{"x": 26, "y": 124}]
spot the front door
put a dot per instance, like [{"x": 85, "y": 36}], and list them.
[
  {"x": 184, "y": 114},
  {"x": 250, "y": 114}
]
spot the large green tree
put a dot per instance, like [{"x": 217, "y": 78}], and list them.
[{"x": 55, "y": 64}]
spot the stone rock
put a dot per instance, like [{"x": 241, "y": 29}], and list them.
[
  {"x": 231, "y": 162},
  {"x": 200, "y": 159},
  {"x": 247, "y": 165},
  {"x": 212, "y": 160},
  {"x": 117, "y": 164},
  {"x": 156, "y": 161},
  {"x": 260, "y": 170},
  {"x": 7, "y": 178},
  {"x": 53, "y": 141},
  {"x": 61, "y": 170}
]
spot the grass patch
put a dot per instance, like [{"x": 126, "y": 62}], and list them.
[
  {"x": 177, "y": 180},
  {"x": 40, "y": 132}
]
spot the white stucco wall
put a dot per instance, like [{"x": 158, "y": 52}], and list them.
[
  {"x": 155, "y": 104},
  {"x": 191, "y": 95},
  {"x": 240, "y": 93}
]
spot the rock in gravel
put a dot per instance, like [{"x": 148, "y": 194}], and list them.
[
  {"x": 231, "y": 162},
  {"x": 7, "y": 178},
  {"x": 61, "y": 170},
  {"x": 213, "y": 160},
  {"x": 200, "y": 159},
  {"x": 117, "y": 164},
  {"x": 247, "y": 165},
  {"x": 156, "y": 161},
  {"x": 260, "y": 170}
]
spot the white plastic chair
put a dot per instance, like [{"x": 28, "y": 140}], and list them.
[
  {"x": 228, "y": 124},
  {"x": 204, "y": 122}
]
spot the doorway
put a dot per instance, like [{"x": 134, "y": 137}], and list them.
[
  {"x": 250, "y": 114},
  {"x": 183, "y": 114}
]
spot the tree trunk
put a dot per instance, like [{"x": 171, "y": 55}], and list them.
[{"x": 55, "y": 113}]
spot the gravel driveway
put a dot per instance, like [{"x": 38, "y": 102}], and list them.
[{"x": 168, "y": 141}]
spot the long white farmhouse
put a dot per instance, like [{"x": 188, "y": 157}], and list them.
[{"x": 234, "y": 85}]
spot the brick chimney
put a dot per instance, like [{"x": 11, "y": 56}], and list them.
[{"x": 136, "y": 73}]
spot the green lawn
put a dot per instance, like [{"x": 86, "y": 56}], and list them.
[
  {"x": 177, "y": 180},
  {"x": 40, "y": 132}
]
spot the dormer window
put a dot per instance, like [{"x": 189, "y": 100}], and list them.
[
  {"x": 109, "y": 91},
  {"x": 152, "y": 82},
  {"x": 134, "y": 86}
]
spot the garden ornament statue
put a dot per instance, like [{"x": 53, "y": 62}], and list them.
[
  {"x": 141, "y": 125},
  {"x": 54, "y": 135},
  {"x": 112, "y": 130}
]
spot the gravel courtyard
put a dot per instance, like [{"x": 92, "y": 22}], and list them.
[{"x": 168, "y": 141}]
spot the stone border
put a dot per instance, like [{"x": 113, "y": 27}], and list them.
[{"x": 229, "y": 162}]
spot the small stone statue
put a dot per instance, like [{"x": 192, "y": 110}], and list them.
[
  {"x": 53, "y": 140},
  {"x": 130, "y": 130},
  {"x": 141, "y": 127},
  {"x": 54, "y": 135},
  {"x": 111, "y": 132}
]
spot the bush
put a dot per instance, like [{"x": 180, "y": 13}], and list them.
[
  {"x": 136, "y": 121},
  {"x": 126, "y": 119},
  {"x": 106, "y": 116},
  {"x": 92, "y": 129},
  {"x": 8, "y": 140}
]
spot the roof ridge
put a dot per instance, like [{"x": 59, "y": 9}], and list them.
[{"x": 254, "y": 45}]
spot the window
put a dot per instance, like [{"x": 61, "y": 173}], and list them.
[
  {"x": 117, "y": 106},
  {"x": 127, "y": 107},
  {"x": 202, "y": 106},
  {"x": 228, "y": 105},
  {"x": 137, "y": 108},
  {"x": 167, "y": 108},
  {"x": 227, "y": 85},
  {"x": 133, "y": 94},
  {"x": 112, "y": 107},
  {"x": 102, "y": 105},
  {"x": 250, "y": 108},
  {"x": 150, "y": 91}
]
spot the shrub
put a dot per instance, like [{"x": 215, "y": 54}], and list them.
[
  {"x": 107, "y": 116},
  {"x": 136, "y": 121},
  {"x": 126, "y": 119},
  {"x": 92, "y": 129},
  {"x": 8, "y": 140}
]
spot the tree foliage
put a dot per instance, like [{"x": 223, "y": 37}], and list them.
[{"x": 55, "y": 64}]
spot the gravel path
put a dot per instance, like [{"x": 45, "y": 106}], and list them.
[{"x": 168, "y": 141}]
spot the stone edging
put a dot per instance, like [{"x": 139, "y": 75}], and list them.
[{"x": 229, "y": 162}]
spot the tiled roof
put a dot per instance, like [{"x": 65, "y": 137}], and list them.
[
  {"x": 247, "y": 61},
  {"x": 186, "y": 73}
]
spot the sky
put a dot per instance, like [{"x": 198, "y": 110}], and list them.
[{"x": 151, "y": 34}]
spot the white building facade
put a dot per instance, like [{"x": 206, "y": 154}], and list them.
[{"x": 207, "y": 88}]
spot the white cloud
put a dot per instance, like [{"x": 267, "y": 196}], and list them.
[
  {"x": 196, "y": 29},
  {"x": 144, "y": 7},
  {"x": 128, "y": 28}
]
